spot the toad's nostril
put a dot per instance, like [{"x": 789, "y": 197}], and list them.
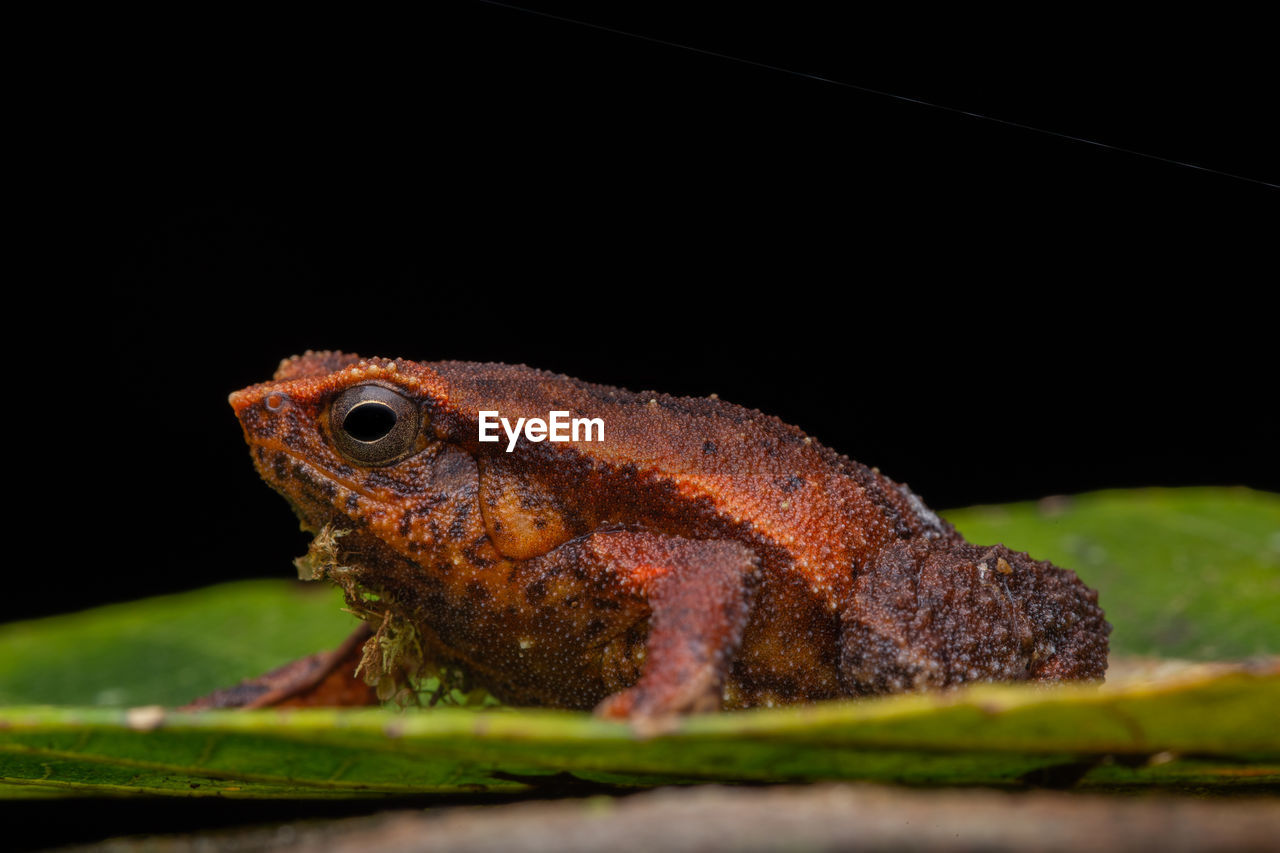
[{"x": 248, "y": 398}]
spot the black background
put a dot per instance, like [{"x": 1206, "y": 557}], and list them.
[{"x": 985, "y": 312}]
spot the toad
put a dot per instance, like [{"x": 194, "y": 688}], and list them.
[{"x": 690, "y": 555}]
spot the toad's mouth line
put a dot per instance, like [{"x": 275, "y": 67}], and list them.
[
  {"x": 315, "y": 475},
  {"x": 302, "y": 488}
]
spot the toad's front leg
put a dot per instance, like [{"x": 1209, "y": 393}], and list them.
[
  {"x": 699, "y": 595},
  {"x": 325, "y": 679}
]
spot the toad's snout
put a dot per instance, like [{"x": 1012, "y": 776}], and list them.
[{"x": 242, "y": 400}]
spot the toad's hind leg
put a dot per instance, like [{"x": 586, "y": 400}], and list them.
[
  {"x": 326, "y": 679},
  {"x": 926, "y": 616},
  {"x": 699, "y": 595}
]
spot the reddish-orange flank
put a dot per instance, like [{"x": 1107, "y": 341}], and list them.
[{"x": 700, "y": 556}]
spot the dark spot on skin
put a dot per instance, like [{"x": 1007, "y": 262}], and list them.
[
  {"x": 539, "y": 523},
  {"x": 595, "y": 628},
  {"x": 436, "y": 601},
  {"x": 477, "y": 592},
  {"x": 535, "y": 592},
  {"x": 572, "y": 602},
  {"x": 605, "y": 604},
  {"x": 458, "y": 527},
  {"x": 475, "y": 558},
  {"x": 789, "y": 687},
  {"x": 353, "y": 504},
  {"x": 380, "y": 479},
  {"x": 709, "y": 448},
  {"x": 875, "y": 491},
  {"x": 263, "y": 426},
  {"x": 329, "y": 489},
  {"x": 429, "y": 502},
  {"x": 790, "y": 484},
  {"x": 280, "y": 466},
  {"x": 314, "y": 488},
  {"x": 406, "y": 523}
]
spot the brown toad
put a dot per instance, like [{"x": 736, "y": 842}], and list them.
[{"x": 700, "y": 555}]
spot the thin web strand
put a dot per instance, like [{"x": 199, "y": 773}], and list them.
[{"x": 816, "y": 77}]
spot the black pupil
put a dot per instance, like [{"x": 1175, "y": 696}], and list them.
[{"x": 369, "y": 421}]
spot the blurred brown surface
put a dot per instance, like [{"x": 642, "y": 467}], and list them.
[{"x": 810, "y": 818}]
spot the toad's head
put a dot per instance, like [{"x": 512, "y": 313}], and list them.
[{"x": 348, "y": 442}]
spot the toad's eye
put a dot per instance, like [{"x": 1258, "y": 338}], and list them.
[{"x": 373, "y": 425}]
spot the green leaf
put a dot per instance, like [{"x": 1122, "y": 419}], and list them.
[
  {"x": 169, "y": 649},
  {"x": 1187, "y": 572},
  {"x": 991, "y": 734}
]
